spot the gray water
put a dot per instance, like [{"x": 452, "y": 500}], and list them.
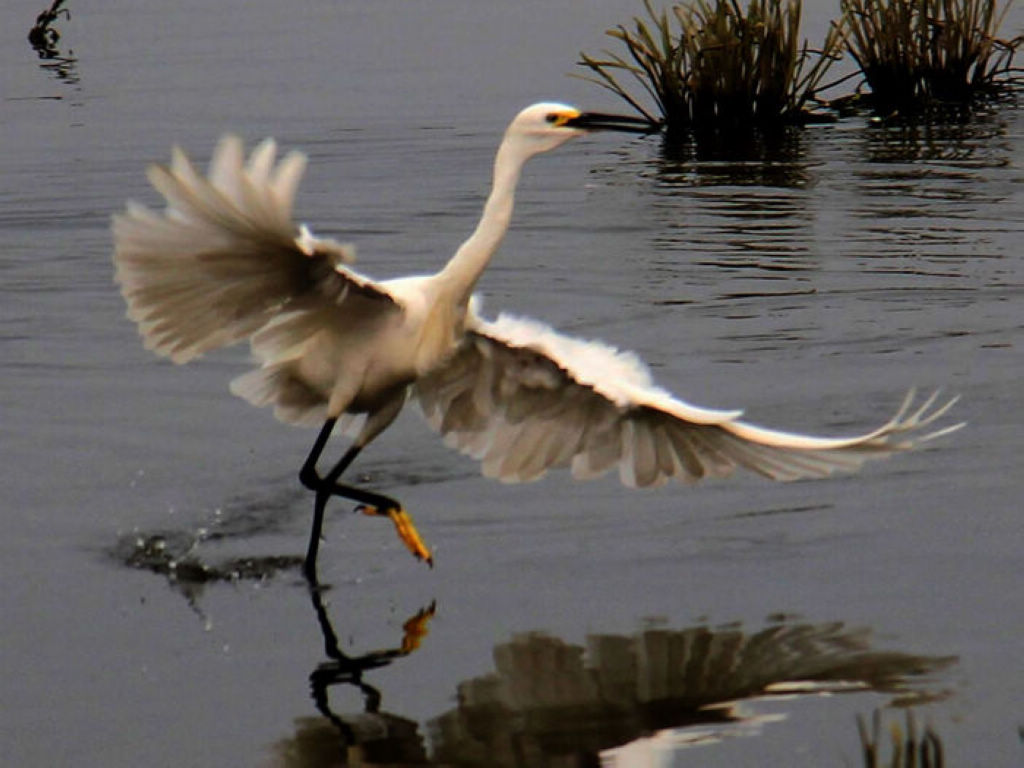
[{"x": 812, "y": 289}]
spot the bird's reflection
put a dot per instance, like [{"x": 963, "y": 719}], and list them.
[
  {"x": 550, "y": 701},
  {"x": 367, "y": 737},
  {"x": 554, "y": 703}
]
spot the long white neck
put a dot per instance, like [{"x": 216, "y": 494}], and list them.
[{"x": 465, "y": 267}]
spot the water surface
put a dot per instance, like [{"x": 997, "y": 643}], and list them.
[{"x": 152, "y": 612}]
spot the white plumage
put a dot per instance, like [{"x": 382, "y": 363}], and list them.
[{"x": 224, "y": 262}]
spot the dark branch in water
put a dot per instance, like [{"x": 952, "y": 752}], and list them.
[{"x": 43, "y": 37}]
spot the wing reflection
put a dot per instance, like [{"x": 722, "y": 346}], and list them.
[{"x": 550, "y": 701}]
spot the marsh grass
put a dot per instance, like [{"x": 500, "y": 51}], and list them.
[
  {"x": 916, "y": 53},
  {"x": 713, "y": 68},
  {"x": 710, "y": 64},
  {"x": 907, "y": 749}
]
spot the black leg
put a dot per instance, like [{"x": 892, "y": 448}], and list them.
[
  {"x": 311, "y": 479},
  {"x": 374, "y": 503},
  {"x": 307, "y": 475},
  {"x": 325, "y": 488}
]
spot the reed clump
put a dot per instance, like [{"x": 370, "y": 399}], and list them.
[
  {"x": 713, "y": 64},
  {"x": 917, "y": 53}
]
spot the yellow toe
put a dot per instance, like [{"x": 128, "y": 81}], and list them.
[{"x": 409, "y": 535}]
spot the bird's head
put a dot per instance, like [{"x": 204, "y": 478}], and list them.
[{"x": 542, "y": 127}]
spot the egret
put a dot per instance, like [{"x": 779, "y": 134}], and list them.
[{"x": 224, "y": 262}]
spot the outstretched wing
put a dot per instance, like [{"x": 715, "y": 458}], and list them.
[
  {"x": 224, "y": 257},
  {"x": 523, "y": 399}
]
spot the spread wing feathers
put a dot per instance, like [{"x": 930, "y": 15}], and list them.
[
  {"x": 224, "y": 257},
  {"x": 522, "y": 399}
]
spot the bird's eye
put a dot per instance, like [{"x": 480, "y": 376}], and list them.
[{"x": 552, "y": 117}]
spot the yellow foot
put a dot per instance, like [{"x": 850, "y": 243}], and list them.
[{"x": 405, "y": 528}]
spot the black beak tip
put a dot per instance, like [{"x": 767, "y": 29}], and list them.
[{"x": 600, "y": 121}]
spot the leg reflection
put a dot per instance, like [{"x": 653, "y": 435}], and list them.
[{"x": 370, "y": 735}]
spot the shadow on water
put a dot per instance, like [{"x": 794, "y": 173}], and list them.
[
  {"x": 178, "y": 553},
  {"x": 174, "y": 554},
  {"x": 550, "y": 702},
  {"x": 183, "y": 554}
]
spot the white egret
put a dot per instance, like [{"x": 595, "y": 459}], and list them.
[{"x": 224, "y": 262}]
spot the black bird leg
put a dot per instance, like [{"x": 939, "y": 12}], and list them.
[
  {"x": 307, "y": 475},
  {"x": 323, "y": 487},
  {"x": 370, "y": 503}
]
